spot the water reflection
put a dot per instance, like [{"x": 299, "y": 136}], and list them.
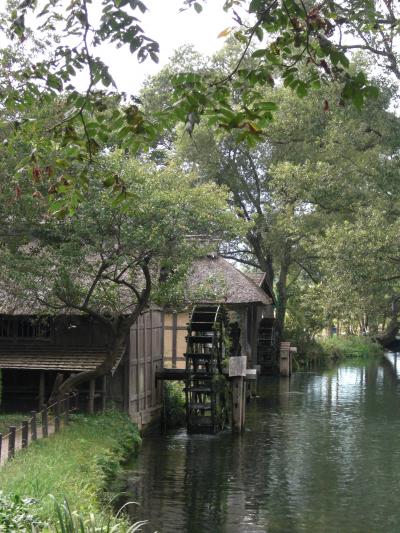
[{"x": 321, "y": 454}]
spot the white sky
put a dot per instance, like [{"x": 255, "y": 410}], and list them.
[{"x": 171, "y": 29}]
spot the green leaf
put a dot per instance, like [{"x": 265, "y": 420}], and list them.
[
  {"x": 259, "y": 53},
  {"x": 54, "y": 82},
  {"x": 301, "y": 89},
  {"x": 372, "y": 91},
  {"x": 109, "y": 181},
  {"x": 198, "y": 8},
  {"x": 267, "y": 106},
  {"x": 259, "y": 32},
  {"x": 358, "y": 98}
]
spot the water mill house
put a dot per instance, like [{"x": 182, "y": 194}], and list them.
[
  {"x": 35, "y": 348},
  {"x": 250, "y": 305}
]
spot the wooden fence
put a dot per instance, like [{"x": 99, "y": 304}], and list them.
[{"x": 40, "y": 425}]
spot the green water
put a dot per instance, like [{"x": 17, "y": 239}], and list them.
[{"x": 321, "y": 453}]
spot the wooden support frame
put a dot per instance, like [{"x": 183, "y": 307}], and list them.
[
  {"x": 11, "y": 442},
  {"x": 42, "y": 389},
  {"x": 33, "y": 426},
  {"x": 104, "y": 393},
  {"x": 92, "y": 391},
  {"x": 174, "y": 338}
]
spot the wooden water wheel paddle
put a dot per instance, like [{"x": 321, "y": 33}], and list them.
[{"x": 206, "y": 400}]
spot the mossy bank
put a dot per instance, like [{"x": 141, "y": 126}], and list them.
[{"x": 79, "y": 465}]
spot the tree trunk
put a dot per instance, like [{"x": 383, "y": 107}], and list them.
[
  {"x": 389, "y": 335},
  {"x": 281, "y": 295},
  {"x": 114, "y": 352},
  {"x": 265, "y": 260}
]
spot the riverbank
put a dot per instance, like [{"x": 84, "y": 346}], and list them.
[
  {"x": 325, "y": 351},
  {"x": 78, "y": 466}
]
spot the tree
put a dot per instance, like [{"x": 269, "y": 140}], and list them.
[
  {"x": 109, "y": 259},
  {"x": 315, "y": 167},
  {"x": 304, "y": 44}
]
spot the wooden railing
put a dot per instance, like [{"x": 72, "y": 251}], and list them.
[{"x": 40, "y": 425}]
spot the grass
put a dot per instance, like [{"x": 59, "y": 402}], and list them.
[
  {"x": 11, "y": 419},
  {"x": 77, "y": 466},
  {"x": 331, "y": 349},
  {"x": 352, "y": 346}
]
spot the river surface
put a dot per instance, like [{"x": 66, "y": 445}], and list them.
[{"x": 320, "y": 454}]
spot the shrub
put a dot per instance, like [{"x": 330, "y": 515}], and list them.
[
  {"x": 19, "y": 514},
  {"x": 174, "y": 404}
]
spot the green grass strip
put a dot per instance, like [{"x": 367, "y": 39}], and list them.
[
  {"x": 77, "y": 465},
  {"x": 11, "y": 419}
]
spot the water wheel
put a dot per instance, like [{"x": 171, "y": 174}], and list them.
[{"x": 205, "y": 383}]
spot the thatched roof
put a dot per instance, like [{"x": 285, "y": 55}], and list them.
[
  {"x": 37, "y": 356},
  {"x": 213, "y": 279},
  {"x": 257, "y": 277}
]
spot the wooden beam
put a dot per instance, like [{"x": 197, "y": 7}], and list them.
[
  {"x": 92, "y": 389},
  {"x": 42, "y": 388},
  {"x": 174, "y": 337},
  {"x": 104, "y": 394}
]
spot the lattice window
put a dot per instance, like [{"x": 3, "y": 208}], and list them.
[
  {"x": 24, "y": 328},
  {"x": 6, "y": 327},
  {"x": 27, "y": 328}
]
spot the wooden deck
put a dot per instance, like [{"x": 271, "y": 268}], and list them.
[{"x": 179, "y": 374}]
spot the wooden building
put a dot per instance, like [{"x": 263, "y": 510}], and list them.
[
  {"x": 35, "y": 348},
  {"x": 247, "y": 297}
]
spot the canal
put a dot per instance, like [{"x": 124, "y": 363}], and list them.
[{"x": 321, "y": 453}]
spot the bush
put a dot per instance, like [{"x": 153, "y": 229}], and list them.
[
  {"x": 18, "y": 514},
  {"x": 174, "y": 404}
]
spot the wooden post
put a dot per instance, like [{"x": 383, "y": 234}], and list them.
[
  {"x": 25, "y": 433},
  {"x": 174, "y": 337},
  {"x": 92, "y": 389},
  {"x": 42, "y": 388},
  {"x": 292, "y": 351},
  {"x": 66, "y": 408},
  {"x": 11, "y": 442},
  {"x": 237, "y": 404},
  {"x": 237, "y": 372},
  {"x": 284, "y": 359},
  {"x": 247, "y": 386},
  {"x": 57, "y": 417},
  {"x": 34, "y": 426},
  {"x": 45, "y": 422},
  {"x": 104, "y": 394}
]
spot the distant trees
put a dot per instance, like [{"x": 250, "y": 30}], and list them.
[{"x": 319, "y": 176}]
